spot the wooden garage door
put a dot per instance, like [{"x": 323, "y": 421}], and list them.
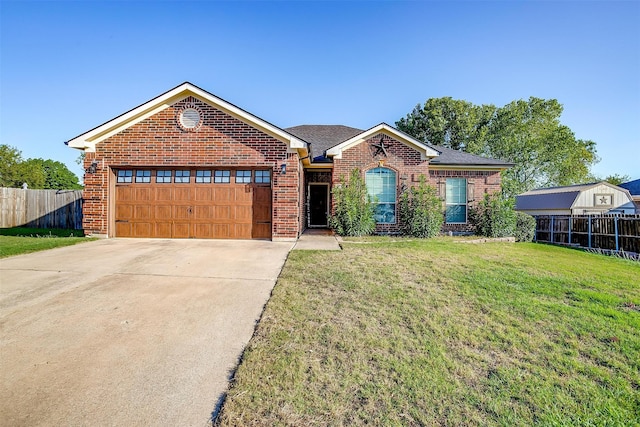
[{"x": 188, "y": 203}]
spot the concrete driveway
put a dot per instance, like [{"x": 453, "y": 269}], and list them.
[{"x": 126, "y": 332}]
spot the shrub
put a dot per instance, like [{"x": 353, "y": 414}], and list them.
[
  {"x": 494, "y": 216},
  {"x": 353, "y": 214},
  {"x": 420, "y": 211},
  {"x": 525, "y": 227}
]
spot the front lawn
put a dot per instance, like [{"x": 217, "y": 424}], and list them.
[
  {"x": 442, "y": 333},
  {"x": 19, "y": 240}
]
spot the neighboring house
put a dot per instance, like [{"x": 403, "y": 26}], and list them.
[
  {"x": 634, "y": 189},
  {"x": 582, "y": 199},
  {"x": 188, "y": 164}
]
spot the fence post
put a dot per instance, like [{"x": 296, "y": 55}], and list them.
[
  {"x": 589, "y": 222},
  {"x": 570, "y": 225},
  {"x": 616, "y": 229},
  {"x": 551, "y": 229}
]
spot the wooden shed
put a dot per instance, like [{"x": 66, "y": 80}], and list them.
[{"x": 581, "y": 199}]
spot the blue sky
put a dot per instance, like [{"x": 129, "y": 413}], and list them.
[{"x": 66, "y": 67}]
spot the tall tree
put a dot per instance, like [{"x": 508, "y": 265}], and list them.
[
  {"x": 36, "y": 173},
  {"x": 10, "y": 157},
  {"x": 450, "y": 123},
  {"x": 545, "y": 152},
  {"x": 56, "y": 175},
  {"x": 526, "y": 133}
]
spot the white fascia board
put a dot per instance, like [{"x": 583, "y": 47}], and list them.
[
  {"x": 426, "y": 152},
  {"x": 88, "y": 140}
]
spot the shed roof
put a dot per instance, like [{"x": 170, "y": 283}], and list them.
[
  {"x": 632, "y": 186},
  {"x": 554, "y": 197}
]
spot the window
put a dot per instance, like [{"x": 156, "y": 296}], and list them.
[
  {"x": 221, "y": 176},
  {"x": 203, "y": 177},
  {"x": 243, "y": 177},
  {"x": 182, "y": 176},
  {"x": 163, "y": 176},
  {"x": 456, "y": 200},
  {"x": 263, "y": 177},
  {"x": 381, "y": 186},
  {"x": 125, "y": 175},
  {"x": 143, "y": 176}
]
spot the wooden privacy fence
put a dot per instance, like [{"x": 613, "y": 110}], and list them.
[
  {"x": 40, "y": 208},
  {"x": 608, "y": 232}
]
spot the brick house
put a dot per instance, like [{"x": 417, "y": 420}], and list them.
[{"x": 188, "y": 164}]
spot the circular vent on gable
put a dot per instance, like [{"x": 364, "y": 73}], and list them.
[{"x": 190, "y": 118}]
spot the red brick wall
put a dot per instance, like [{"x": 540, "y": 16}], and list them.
[
  {"x": 222, "y": 140},
  {"x": 407, "y": 164}
]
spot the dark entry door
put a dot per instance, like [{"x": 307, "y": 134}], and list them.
[{"x": 318, "y": 205}]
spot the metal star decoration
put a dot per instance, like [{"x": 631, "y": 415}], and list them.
[{"x": 381, "y": 149}]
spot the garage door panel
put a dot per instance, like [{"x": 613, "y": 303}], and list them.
[
  {"x": 203, "y": 194},
  {"x": 163, "y": 229},
  {"x": 203, "y": 231},
  {"x": 187, "y": 210},
  {"x": 221, "y": 213},
  {"x": 222, "y": 193},
  {"x": 124, "y": 212},
  {"x": 124, "y": 193},
  {"x": 142, "y": 212},
  {"x": 203, "y": 212},
  {"x": 142, "y": 229},
  {"x": 142, "y": 194},
  {"x": 164, "y": 194},
  {"x": 182, "y": 212},
  {"x": 242, "y": 231},
  {"x": 183, "y": 194},
  {"x": 242, "y": 213},
  {"x": 181, "y": 230}
]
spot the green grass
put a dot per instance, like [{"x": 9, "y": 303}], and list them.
[
  {"x": 442, "y": 333},
  {"x": 20, "y": 240}
]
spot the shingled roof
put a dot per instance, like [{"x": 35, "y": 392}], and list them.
[{"x": 324, "y": 137}]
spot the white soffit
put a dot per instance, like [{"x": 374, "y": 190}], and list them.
[
  {"x": 88, "y": 140},
  {"x": 426, "y": 152}
]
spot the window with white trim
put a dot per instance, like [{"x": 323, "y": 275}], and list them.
[
  {"x": 456, "y": 201},
  {"x": 125, "y": 175},
  {"x": 221, "y": 176},
  {"x": 182, "y": 176},
  {"x": 381, "y": 187},
  {"x": 203, "y": 177}
]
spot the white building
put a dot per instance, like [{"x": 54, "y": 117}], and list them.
[{"x": 581, "y": 199}]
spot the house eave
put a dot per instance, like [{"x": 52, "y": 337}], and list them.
[
  {"x": 425, "y": 151},
  {"x": 88, "y": 140}
]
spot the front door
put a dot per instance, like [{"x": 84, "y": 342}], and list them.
[{"x": 318, "y": 205}]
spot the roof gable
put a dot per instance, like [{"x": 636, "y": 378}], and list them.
[
  {"x": 426, "y": 152},
  {"x": 88, "y": 140}
]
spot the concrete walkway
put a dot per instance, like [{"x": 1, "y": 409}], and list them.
[
  {"x": 128, "y": 332},
  {"x": 318, "y": 239}
]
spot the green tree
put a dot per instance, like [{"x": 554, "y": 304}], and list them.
[
  {"x": 10, "y": 157},
  {"x": 450, "y": 123},
  {"x": 420, "y": 210},
  {"x": 354, "y": 211},
  {"x": 616, "y": 179},
  {"x": 544, "y": 152},
  {"x": 527, "y": 133},
  {"x": 37, "y": 173},
  {"x": 55, "y": 175}
]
